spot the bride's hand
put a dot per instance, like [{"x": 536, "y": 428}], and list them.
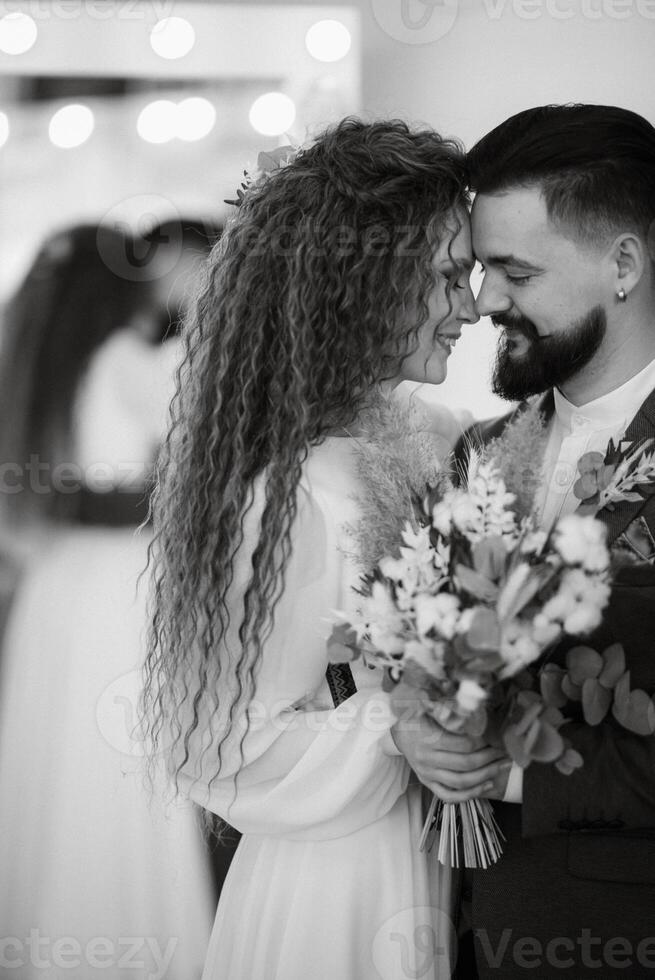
[{"x": 454, "y": 767}]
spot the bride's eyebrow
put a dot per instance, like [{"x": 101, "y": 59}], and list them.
[{"x": 456, "y": 265}]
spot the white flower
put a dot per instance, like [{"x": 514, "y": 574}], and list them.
[
  {"x": 545, "y": 631},
  {"x": 582, "y": 620},
  {"x": 437, "y": 612},
  {"x": 396, "y": 569},
  {"x": 442, "y": 515},
  {"x": 465, "y": 621},
  {"x": 585, "y": 588},
  {"x": 517, "y": 648},
  {"x": 582, "y": 541},
  {"x": 419, "y": 565},
  {"x": 470, "y": 695},
  {"x": 385, "y": 641},
  {"x": 467, "y": 516},
  {"x": 418, "y": 541},
  {"x": 576, "y": 607},
  {"x": 561, "y": 605},
  {"x": 533, "y": 542},
  {"x": 385, "y": 622}
]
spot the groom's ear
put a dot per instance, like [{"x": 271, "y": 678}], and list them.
[{"x": 630, "y": 259}]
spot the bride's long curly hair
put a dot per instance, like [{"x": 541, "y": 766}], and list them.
[{"x": 312, "y": 297}]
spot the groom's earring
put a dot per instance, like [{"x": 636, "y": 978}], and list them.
[{"x": 622, "y": 295}]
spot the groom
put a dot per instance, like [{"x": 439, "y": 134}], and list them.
[{"x": 564, "y": 226}]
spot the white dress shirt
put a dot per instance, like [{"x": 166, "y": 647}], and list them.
[{"x": 574, "y": 431}]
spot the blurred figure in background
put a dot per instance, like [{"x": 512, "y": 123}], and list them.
[{"x": 86, "y": 859}]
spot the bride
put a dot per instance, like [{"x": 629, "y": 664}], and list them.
[{"x": 346, "y": 269}]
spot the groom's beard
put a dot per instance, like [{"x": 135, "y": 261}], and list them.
[{"x": 550, "y": 361}]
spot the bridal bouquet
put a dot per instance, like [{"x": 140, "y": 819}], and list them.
[{"x": 466, "y": 596}]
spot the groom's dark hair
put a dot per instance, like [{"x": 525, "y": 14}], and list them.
[{"x": 595, "y": 166}]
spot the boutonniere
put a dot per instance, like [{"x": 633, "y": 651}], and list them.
[{"x": 625, "y": 473}]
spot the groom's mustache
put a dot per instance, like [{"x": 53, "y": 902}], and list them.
[{"x": 520, "y": 324}]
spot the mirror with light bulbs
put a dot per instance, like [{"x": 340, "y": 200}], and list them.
[{"x": 133, "y": 111}]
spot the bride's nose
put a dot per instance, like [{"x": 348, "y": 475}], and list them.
[{"x": 469, "y": 309}]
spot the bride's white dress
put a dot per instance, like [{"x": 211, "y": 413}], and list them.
[{"x": 328, "y": 882}]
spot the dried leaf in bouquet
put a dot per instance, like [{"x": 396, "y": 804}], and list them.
[{"x": 519, "y": 455}]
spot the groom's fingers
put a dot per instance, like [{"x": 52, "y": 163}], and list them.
[
  {"x": 448, "y": 795},
  {"x": 469, "y": 780},
  {"x": 465, "y": 761}
]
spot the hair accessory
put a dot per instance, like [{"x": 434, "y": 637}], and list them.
[
  {"x": 622, "y": 295},
  {"x": 268, "y": 162}
]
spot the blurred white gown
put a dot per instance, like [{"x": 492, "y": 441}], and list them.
[
  {"x": 328, "y": 882},
  {"x": 96, "y": 880}
]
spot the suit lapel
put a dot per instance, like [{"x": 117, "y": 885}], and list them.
[{"x": 619, "y": 519}]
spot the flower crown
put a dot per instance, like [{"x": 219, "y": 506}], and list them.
[{"x": 268, "y": 162}]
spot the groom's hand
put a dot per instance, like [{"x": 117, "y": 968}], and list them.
[{"x": 454, "y": 767}]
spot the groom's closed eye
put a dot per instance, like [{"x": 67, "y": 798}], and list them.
[{"x": 509, "y": 265}]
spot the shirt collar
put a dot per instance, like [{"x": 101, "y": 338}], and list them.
[{"x": 613, "y": 409}]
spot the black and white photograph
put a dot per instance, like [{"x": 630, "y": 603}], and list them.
[{"x": 327, "y": 489}]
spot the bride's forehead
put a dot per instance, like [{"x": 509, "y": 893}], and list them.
[{"x": 455, "y": 243}]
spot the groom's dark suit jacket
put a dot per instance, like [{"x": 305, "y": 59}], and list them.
[{"x": 574, "y": 893}]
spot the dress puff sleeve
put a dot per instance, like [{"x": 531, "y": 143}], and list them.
[{"x": 299, "y": 768}]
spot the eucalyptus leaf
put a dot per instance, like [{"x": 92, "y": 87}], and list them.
[
  {"x": 638, "y": 715},
  {"x": 583, "y": 662},
  {"x": 554, "y": 717},
  {"x": 569, "y": 762},
  {"x": 484, "y": 631},
  {"x": 519, "y": 744},
  {"x": 596, "y": 701},
  {"x": 548, "y": 744},
  {"x": 528, "y": 718},
  {"x": 622, "y": 694},
  {"x": 342, "y": 646},
  {"x": 490, "y": 557},
  {"x": 572, "y": 691},
  {"x": 550, "y": 682},
  {"x": 475, "y": 584},
  {"x": 614, "y": 666}
]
